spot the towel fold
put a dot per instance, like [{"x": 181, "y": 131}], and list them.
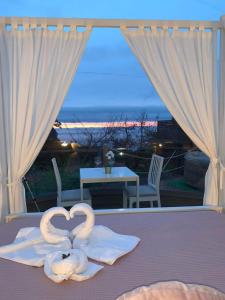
[
  {"x": 32, "y": 244},
  {"x": 51, "y": 234},
  {"x": 105, "y": 245},
  {"x": 30, "y": 248},
  {"x": 81, "y": 232},
  {"x": 72, "y": 264},
  {"x": 99, "y": 242}
]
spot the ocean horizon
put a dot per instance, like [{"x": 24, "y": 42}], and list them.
[
  {"x": 90, "y": 117},
  {"x": 111, "y": 114}
]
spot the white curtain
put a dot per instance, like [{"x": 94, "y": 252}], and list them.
[
  {"x": 36, "y": 70},
  {"x": 182, "y": 67},
  {"x": 222, "y": 113}
]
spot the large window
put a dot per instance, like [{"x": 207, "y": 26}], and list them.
[{"x": 112, "y": 105}]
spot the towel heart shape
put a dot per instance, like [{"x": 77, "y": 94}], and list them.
[
  {"x": 98, "y": 242},
  {"x": 54, "y": 235},
  {"x": 32, "y": 245}
]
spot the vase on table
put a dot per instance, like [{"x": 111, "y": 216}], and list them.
[{"x": 109, "y": 161}]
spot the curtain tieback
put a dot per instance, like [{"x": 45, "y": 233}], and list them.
[
  {"x": 215, "y": 163},
  {"x": 14, "y": 182},
  {"x": 4, "y": 180}
]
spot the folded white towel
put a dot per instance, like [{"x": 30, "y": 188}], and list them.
[
  {"x": 51, "y": 234},
  {"x": 72, "y": 264},
  {"x": 82, "y": 231},
  {"x": 31, "y": 244},
  {"x": 99, "y": 242},
  {"x": 105, "y": 245},
  {"x": 30, "y": 248}
]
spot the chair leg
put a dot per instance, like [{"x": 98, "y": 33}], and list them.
[
  {"x": 130, "y": 202},
  {"x": 125, "y": 199},
  {"x": 159, "y": 202}
]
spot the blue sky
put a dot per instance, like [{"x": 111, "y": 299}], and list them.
[{"x": 109, "y": 74}]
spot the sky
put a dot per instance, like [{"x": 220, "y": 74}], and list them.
[{"x": 109, "y": 74}]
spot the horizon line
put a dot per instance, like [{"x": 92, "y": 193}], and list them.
[{"x": 122, "y": 124}]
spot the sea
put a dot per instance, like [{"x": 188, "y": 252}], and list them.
[{"x": 80, "y": 123}]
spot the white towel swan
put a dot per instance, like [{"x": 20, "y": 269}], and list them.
[
  {"x": 51, "y": 234},
  {"x": 72, "y": 264},
  {"x": 99, "y": 242},
  {"x": 32, "y": 244},
  {"x": 81, "y": 233}
]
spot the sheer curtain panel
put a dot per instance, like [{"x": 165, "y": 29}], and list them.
[
  {"x": 37, "y": 66},
  {"x": 182, "y": 67},
  {"x": 222, "y": 113}
]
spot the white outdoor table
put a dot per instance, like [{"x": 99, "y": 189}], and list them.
[{"x": 97, "y": 175}]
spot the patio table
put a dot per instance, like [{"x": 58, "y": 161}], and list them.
[{"x": 98, "y": 175}]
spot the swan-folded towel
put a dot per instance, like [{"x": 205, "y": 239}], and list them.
[
  {"x": 30, "y": 248},
  {"x": 51, "y": 234},
  {"x": 72, "y": 264},
  {"x": 99, "y": 242},
  {"x": 32, "y": 244},
  {"x": 83, "y": 230}
]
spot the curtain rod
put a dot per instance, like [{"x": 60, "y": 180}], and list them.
[{"x": 108, "y": 23}]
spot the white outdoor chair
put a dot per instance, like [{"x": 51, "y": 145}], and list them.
[
  {"x": 149, "y": 192},
  {"x": 67, "y": 198}
]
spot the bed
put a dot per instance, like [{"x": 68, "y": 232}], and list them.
[{"x": 183, "y": 246}]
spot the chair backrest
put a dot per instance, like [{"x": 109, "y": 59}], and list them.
[
  {"x": 155, "y": 171},
  {"x": 58, "y": 179}
]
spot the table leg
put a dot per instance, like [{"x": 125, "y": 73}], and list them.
[
  {"x": 125, "y": 196},
  {"x": 81, "y": 192},
  {"x": 137, "y": 196}
]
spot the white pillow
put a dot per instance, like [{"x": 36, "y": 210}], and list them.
[{"x": 173, "y": 290}]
